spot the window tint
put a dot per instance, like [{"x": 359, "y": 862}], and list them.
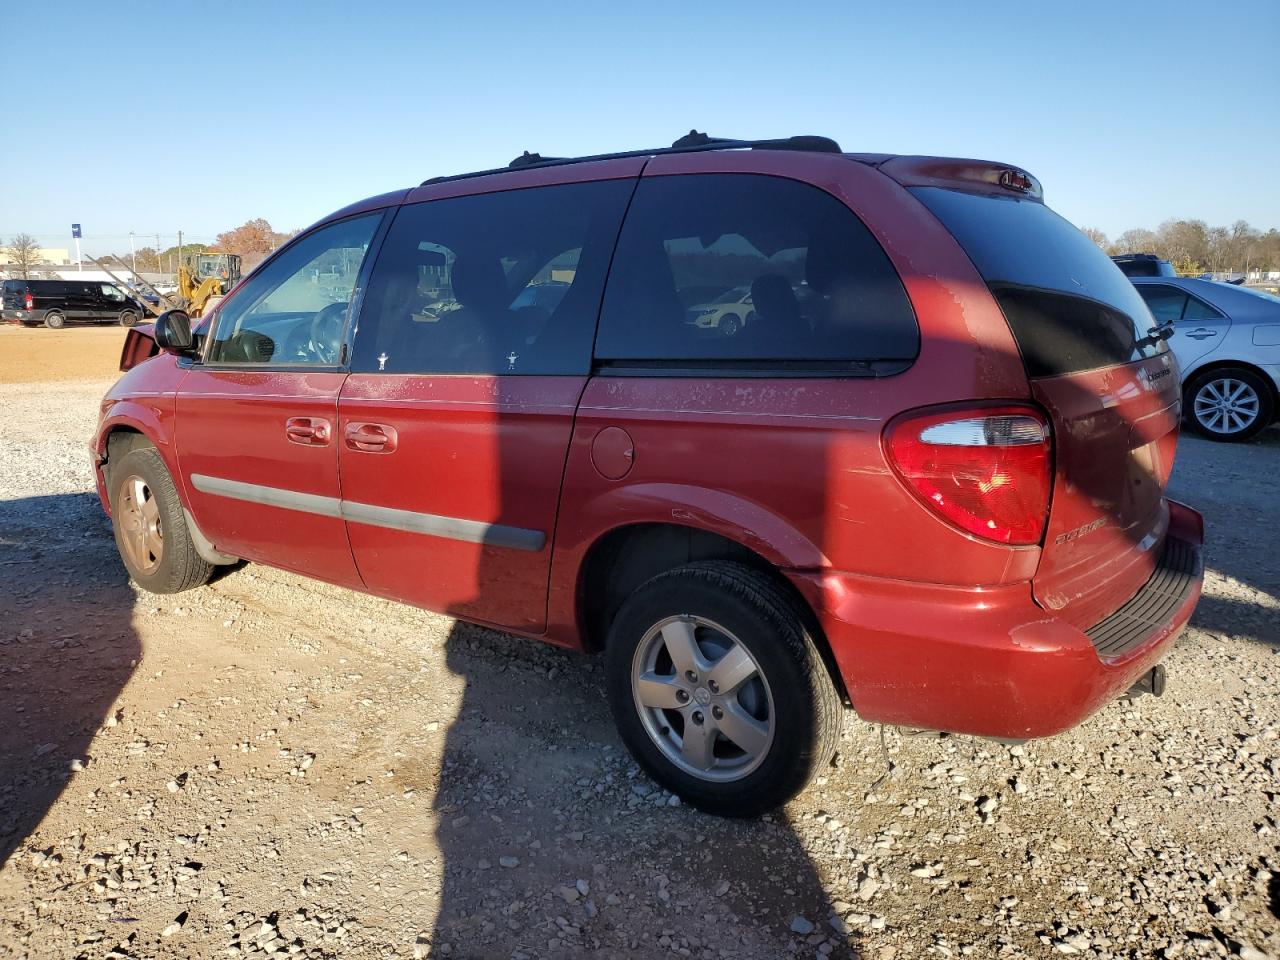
[
  {"x": 1166, "y": 303},
  {"x": 505, "y": 282},
  {"x": 1197, "y": 309},
  {"x": 1068, "y": 306},
  {"x": 294, "y": 310},
  {"x": 749, "y": 268}
]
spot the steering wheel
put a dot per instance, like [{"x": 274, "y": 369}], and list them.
[{"x": 326, "y": 332}]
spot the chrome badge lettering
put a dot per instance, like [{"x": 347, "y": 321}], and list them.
[{"x": 1080, "y": 531}]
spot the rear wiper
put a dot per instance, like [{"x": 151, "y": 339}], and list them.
[{"x": 1157, "y": 334}]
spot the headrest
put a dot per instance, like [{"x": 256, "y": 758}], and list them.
[{"x": 479, "y": 282}]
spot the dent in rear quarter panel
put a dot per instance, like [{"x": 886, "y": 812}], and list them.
[{"x": 142, "y": 400}]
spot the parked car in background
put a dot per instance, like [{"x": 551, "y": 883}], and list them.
[
  {"x": 927, "y": 481},
  {"x": 1143, "y": 265},
  {"x": 56, "y": 303},
  {"x": 726, "y": 314},
  {"x": 1227, "y": 341}
]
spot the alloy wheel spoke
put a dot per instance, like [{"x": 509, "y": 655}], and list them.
[
  {"x": 746, "y": 731},
  {"x": 699, "y": 739},
  {"x": 155, "y": 543},
  {"x": 682, "y": 646},
  {"x": 140, "y": 545},
  {"x": 732, "y": 670},
  {"x": 659, "y": 692}
]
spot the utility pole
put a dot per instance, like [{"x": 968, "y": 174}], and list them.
[
  {"x": 179, "y": 250},
  {"x": 133, "y": 255},
  {"x": 158, "y": 267}
]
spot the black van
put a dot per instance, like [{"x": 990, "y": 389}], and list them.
[{"x": 58, "y": 302}]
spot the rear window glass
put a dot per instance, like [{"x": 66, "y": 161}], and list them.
[
  {"x": 1069, "y": 307},
  {"x": 744, "y": 270}
]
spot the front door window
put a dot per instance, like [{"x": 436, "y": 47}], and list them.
[{"x": 295, "y": 310}]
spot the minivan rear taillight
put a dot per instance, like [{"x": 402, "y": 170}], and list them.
[
  {"x": 28, "y": 303},
  {"x": 986, "y": 470}
]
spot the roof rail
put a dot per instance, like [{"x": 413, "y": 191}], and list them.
[{"x": 692, "y": 142}]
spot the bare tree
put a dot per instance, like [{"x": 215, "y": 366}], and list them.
[
  {"x": 1096, "y": 235},
  {"x": 1136, "y": 241},
  {"x": 23, "y": 253}
]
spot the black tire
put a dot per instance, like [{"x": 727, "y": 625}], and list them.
[
  {"x": 54, "y": 320},
  {"x": 806, "y": 711},
  {"x": 729, "y": 325},
  {"x": 128, "y": 318},
  {"x": 1216, "y": 427},
  {"x": 179, "y": 566}
]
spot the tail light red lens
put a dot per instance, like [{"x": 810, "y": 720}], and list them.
[
  {"x": 28, "y": 302},
  {"x": 988, "y": 471}
]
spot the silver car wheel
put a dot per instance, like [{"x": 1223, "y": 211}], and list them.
[
  {"x": 1226, "y": 405},
  {"x": 702, "y": 698}
]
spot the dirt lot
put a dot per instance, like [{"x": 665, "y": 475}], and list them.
[
  {"x": 272, "y": 766},
  {"x": 80, "y": 353}
]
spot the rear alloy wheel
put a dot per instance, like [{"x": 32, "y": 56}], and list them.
[
  {"x": 1229, "y": 404},
  {"x": 718, "y": 689},
  {"x": 54, "y": 320},
  {"x": 150, "y": 525},
  {"x": 128, "y": 318}
]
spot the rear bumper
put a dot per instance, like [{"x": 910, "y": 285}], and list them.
[{"x": 989, "y": 661}]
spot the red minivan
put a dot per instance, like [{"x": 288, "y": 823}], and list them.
[{"x": 921, "y": 477}]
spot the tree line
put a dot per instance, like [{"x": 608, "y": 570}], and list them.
[
  {"x": 1194, "y": 247},
  {"x": 252, "y": 240}
]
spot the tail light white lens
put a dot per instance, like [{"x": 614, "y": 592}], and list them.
[
  {"x": 987, "y": 471},
  {"x": 28, "y": 302}
]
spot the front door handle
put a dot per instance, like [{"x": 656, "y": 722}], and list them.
[
  {"x": 308, "y": 431},
  {"x": 1200, "y": 333},
  {"x": 370, "y": 437}
]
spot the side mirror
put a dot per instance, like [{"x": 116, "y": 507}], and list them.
[{"x": 173, "y": 333}]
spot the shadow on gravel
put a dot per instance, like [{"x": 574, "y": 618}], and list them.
[
  {"x": 67, "y": 648},
  {"x": 1232, "y": 485},
  {"x": 537, "y": 793}
]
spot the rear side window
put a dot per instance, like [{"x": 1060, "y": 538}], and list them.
[
  {"x": 1169, "y": 304},
  {"x": 1068, "y": 306},
  {"x": 495, "y": 283},
  {"x": 744, "y": 271}
]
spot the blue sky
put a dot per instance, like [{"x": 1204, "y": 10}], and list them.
[{"x": 1128, "y": 113}]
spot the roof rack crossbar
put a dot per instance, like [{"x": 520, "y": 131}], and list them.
[{"x": 692, "y": 142}]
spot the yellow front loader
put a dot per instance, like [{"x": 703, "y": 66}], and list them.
[{"x": 205, "y": 279}]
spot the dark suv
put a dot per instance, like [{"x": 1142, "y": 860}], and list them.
[
  {"x": 55, "y": 303},
  {"x": 925, "y": 480},
  {"x": 1143, "y": 265}
]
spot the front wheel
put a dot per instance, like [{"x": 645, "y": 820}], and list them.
[
  {"x": 150, "y": 526},
  {"x": 1229, "y": 404},
  {"x": 730, "y": 325},
  {"x": 718, "y": 689}
]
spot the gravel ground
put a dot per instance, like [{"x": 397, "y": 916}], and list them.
[{"x": 273, "y": 766}]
